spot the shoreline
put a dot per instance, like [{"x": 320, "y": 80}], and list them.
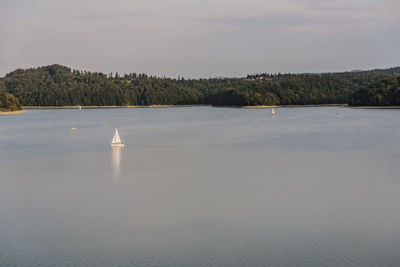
[
  {"x": 12, "y": 112},
  {"x": 200, "y": 105},
  {"x": 177, "y": 106},
  {"x": 315, "y": 105},
  {"x": 262, "y": 106},
  {"x": 98, "y": 107},
  {"x": 375, "y": 107}
]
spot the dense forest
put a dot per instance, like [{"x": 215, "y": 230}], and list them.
[
  {"x": 57, "y": 85},
  {"x": 383, "y": 93},
  {"x": 9, "y": 103}
]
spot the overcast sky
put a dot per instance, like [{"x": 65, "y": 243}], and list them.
[{"x": 200, "y": 38}]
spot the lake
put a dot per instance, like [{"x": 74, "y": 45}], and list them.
[{"x": 200, "y": 186}]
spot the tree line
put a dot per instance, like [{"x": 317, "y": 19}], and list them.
[
  {"x": 58, "y": 85},
  {"x": 9, "y": 102},
  {"x": 382, "y": 93}
]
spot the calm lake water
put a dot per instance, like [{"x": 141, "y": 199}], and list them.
[{"x": 200, "y": 186}]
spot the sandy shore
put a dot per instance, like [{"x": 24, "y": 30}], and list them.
[
  {"x": 12, "y": 112},
  {"x": 297, "y": 106},
  {"x": 375, "y": 107},
  {"x": 93, "y": 107},
  {"x": 264, "y": 106},
  {"x": 316, "y": 105},
  {"x": 173, "y": 106}
]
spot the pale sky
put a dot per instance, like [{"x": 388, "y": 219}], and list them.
[{"x": 200, "y": 38}]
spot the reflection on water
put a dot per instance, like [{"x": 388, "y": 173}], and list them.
[{"x": 116, "y": 160}]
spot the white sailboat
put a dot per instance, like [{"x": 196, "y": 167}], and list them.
[
  {"x": 116, "y": 141},
  {"x": 273, "y": 111}
]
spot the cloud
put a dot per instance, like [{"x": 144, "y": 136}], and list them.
[
  {"x": 282, "y": 20},
  {"x": 200, "y": 38},
  {"x": 109, "y": 17}
]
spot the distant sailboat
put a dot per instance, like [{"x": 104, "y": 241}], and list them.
[
  {"x": 116, "y": 141},
  {"x": 273, "y": 111}
]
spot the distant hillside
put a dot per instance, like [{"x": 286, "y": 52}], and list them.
[{"x": 58, "y": 85}]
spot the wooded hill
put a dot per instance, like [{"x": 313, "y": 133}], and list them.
[{"x": 58, "y": 85}]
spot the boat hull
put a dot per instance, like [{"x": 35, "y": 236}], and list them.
[{"x": 117, "y": 145}]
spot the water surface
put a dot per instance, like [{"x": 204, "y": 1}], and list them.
[{"x": 200, "y": 186}]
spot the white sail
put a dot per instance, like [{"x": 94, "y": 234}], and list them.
[
  {"x": 273, "y": 111},
  {"x": 116, "y": 141}
]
